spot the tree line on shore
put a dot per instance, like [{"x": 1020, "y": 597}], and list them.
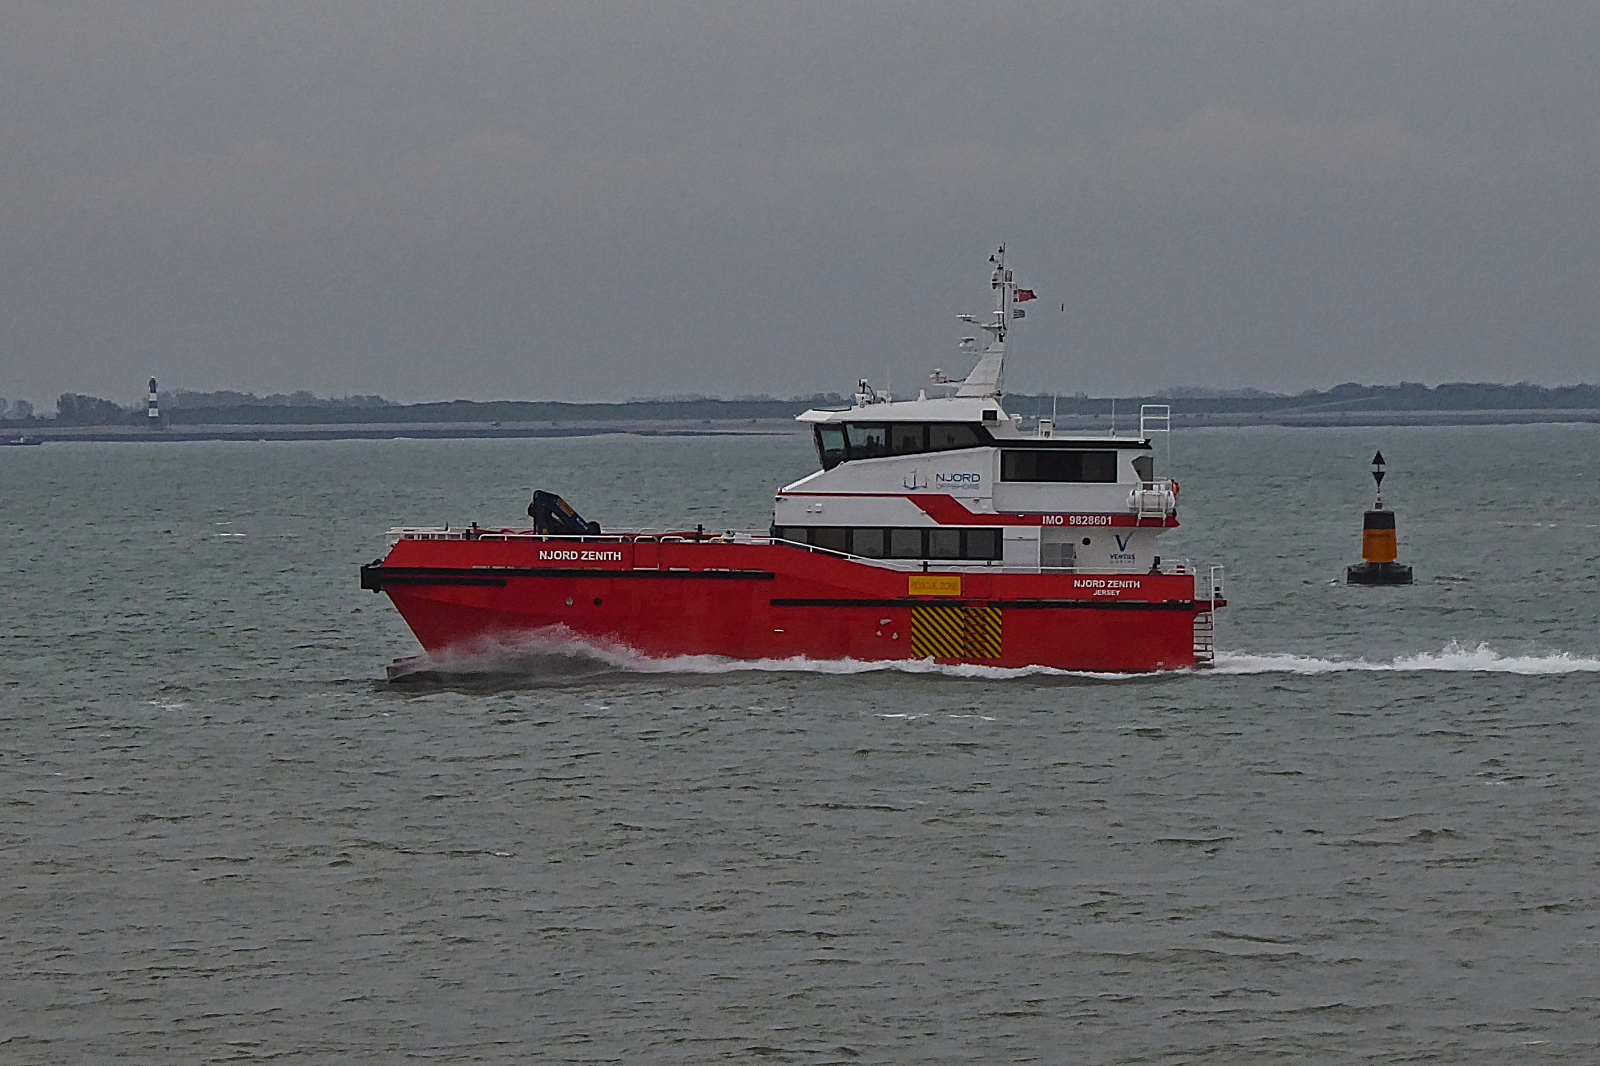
[{"x": 302, "y": 408}]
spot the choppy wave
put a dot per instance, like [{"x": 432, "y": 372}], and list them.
[
  {"x": 560, "y": 654},
  {"x": 1454, "y": 657}
]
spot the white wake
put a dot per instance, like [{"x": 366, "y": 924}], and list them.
[
  {"x": 1455, "y": 657},
  {"x": 562, "y": 654},
  {"x": 568, "y": 656}
]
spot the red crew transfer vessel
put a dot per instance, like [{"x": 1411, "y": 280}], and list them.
[{"x": 938, "y": 528}]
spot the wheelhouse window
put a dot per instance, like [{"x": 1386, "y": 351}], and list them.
[
  {"x": 830, "y": 446},
  {"x": 867, "y": 442},
  {"x": 862, "y": 440},
  {"x": 908, "y": 438},
  {"x": 947, "y": 436},
  {"x": 1058, "y": 465}
]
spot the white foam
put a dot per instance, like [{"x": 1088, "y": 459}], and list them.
[
  {"x": 1454, "y": 657},
  {"x": 561, "y": 652}
]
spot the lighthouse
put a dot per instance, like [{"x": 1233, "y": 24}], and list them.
[
  {"x": 152, "y": 410},
  {"x": 1379, "y": 544}
]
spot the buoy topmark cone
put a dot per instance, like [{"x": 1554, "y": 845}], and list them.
[{"x": 1379, "y": 544}]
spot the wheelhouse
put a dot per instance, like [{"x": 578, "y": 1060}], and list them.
[{"x": 956, "y": 479}]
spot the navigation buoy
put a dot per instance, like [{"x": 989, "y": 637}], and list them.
[{"x": 1379, "y": 545}]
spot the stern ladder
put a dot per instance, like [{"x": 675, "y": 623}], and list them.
[{"x": 1205, "y": 622}]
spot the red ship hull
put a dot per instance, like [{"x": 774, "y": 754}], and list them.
[{"x": 742, "y": 599}]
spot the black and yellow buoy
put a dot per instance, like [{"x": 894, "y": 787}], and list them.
[{"x": 1379, "y": 546}]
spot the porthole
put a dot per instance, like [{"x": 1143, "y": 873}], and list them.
[
  {"x": 569, "y": 601},
  {"x": 1085, "y": 544},
  {"x": 597, "y": 601}
]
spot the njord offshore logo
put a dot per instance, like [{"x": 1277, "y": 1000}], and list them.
[{"x": 917, "y": 480}]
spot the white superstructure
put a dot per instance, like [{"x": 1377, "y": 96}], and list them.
[{"x": 956, "y": 477}]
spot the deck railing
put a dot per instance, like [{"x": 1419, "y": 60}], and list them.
[{"x": 946, "y": 566}]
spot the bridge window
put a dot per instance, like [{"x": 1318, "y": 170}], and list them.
[
  {"x": 867, "y": 442},
  {"x": 945, "y": 436},
  {"x": 830, "y": 446},
  {"x": 1058, "y": 465},
  {"x": 857, "y": 440},
  {"x": 908, "y": 438}
]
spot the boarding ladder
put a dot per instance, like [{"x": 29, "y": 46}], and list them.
[{"x": 1205, "y": 622}]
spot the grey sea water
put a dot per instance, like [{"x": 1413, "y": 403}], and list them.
[{"x": 1370, "y": 835}]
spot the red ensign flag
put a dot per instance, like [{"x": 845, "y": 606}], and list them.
[{"x": 1024, "y": 295}]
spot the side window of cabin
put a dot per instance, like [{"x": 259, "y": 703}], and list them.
[
  {"x": 876, "y": 543},
  {"x": 1145, "y": 467},
  {"x": 905, "y": 543},
  {"x": 908, "y": 438},
  {"x": 982, "y": 544},
  {"x": 867, "y": 542},
  {"x": 1073, "y": 466},
  {"x": 1019, "y": 466},
  {"x": 944, "y": 543},
  {"x": 830, "y": 537},
  {"x": 867, "y": 442},
  {"x": 830, "y": 446},
  {"x": 947, "y": 436},
  {"x": 1099, "y": 466}
]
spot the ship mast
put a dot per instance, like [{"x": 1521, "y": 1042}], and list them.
[
  {"x": 1002, "y": 285},
  {"x": 984, "y": 381}
]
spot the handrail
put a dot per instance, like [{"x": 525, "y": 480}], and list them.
[
  {"x": 944, "y": 566},
  {"x": 1154, "y": 418}
]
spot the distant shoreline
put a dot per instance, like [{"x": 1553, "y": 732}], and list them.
[
  {"x": 411, "y": 431},
  {"x": 1126, "y": 425}
]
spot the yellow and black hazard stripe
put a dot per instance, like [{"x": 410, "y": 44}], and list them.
[
  {"x": 983, "y": 632},
  {"x": 956, "y": 632},
  {"x": 938, "y": 632}
]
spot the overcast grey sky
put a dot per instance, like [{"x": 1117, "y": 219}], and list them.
[{"x": 597, "y": 201}]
